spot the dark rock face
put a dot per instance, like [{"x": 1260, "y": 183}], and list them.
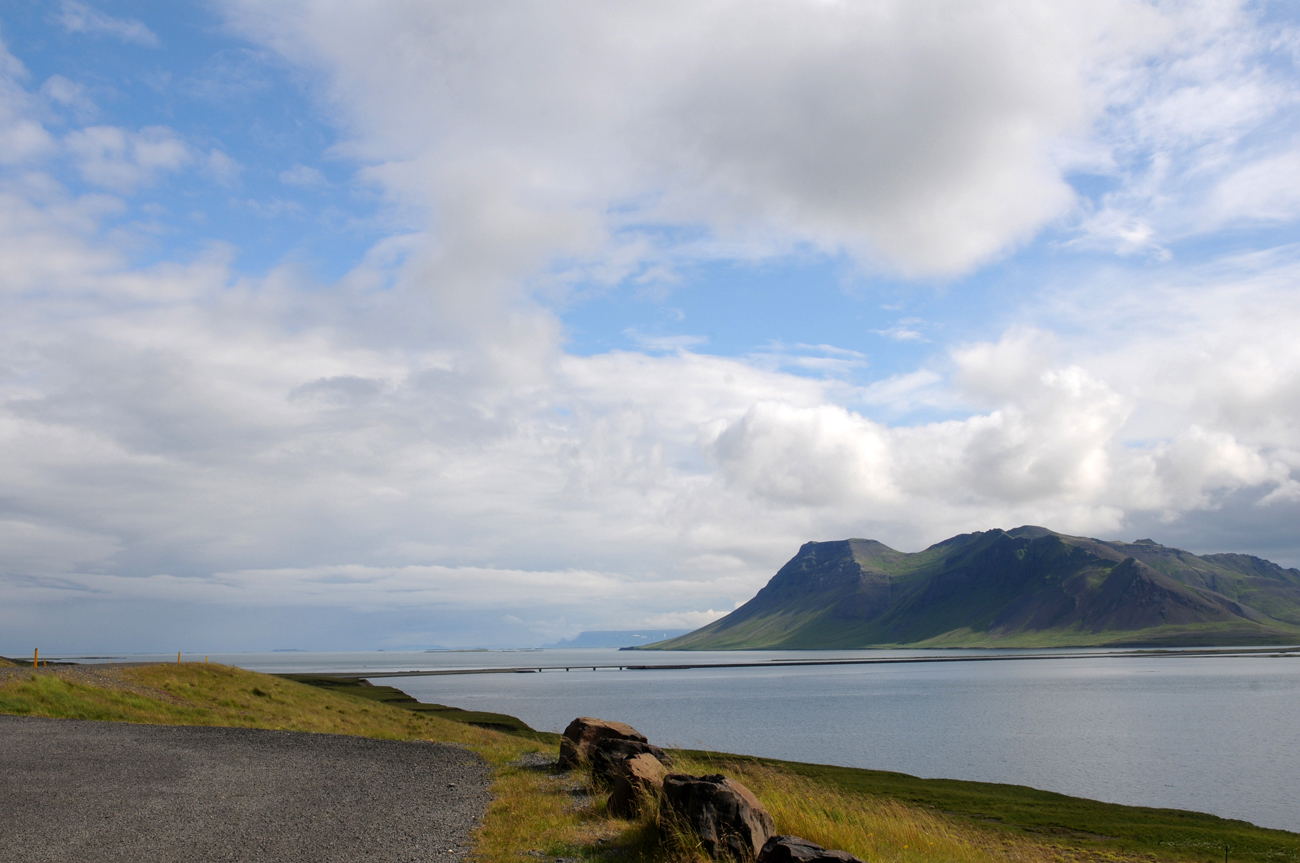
[
  {"x": 638, "y": 777},
  {"x": 792, "y": 849},
  {"x": 727, "y": 817},
  {"x": 610, "y": 753},
  {"x": 579, "y": 742}
]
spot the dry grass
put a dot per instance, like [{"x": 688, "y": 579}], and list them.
[
  {"x": 537, "y": 814},
  {"x": 875, "y": 829},
  {"x": 200, "y": 694},
  {"x": 882, "y": 831}
]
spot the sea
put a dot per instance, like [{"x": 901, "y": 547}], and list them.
[{"x": 1215, "y": 732}]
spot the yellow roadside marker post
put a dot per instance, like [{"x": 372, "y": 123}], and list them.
[
  {"x": 178, "y": 657},
  {"x": 36, "y": 657}
]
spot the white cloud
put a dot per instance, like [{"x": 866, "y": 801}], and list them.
[
  {"x": 81, "y": 18},
  {"x": 1267, "y": 190},
  {"x": 904, "y": 331},
  {"x": 69, "y": 94},
  {"x": 302, "y": 175},
  {"x": 915, "y": 134},
  {"x": 1204, "y": 137},
  {"x": 221, "y": 167},
  {"x": 649, "y": 342},
  {"x": 122, "y": 160},
  {"x": 256, "y": 443},
  {"x": 23, "y": 138}
]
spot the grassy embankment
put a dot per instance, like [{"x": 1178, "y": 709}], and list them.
[{"x": 879, "y": 816}]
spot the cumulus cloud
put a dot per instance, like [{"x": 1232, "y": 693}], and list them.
[{"x": 245, "y": 444}]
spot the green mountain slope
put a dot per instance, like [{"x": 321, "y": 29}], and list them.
[{"x": 1025, "y": 587}]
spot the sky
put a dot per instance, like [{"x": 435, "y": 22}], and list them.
[{"x": 341, "y": 326}]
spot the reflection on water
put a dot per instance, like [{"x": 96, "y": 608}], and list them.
[{"x": 1214, "y": 734}]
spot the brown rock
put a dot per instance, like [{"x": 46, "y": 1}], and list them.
[
  {"x": 610, "y": 753},
  {"x": 638, "y": 776},
  {"x": 727, "y": 817},
  {"x": 580, "y": 738},
  {"x": 792, "y": 849}
]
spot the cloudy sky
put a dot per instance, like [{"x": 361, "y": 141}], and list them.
[{"x": 331, "y": 325}]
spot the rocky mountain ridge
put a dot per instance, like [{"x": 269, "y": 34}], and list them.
[{"x": 1028, "y": 587}]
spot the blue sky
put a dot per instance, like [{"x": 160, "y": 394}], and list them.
[{"x": 443, "y": 323}]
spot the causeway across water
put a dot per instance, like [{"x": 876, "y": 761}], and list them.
[{"x": 980, "y": 657}]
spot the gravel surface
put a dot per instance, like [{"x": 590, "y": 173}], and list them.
[{"x": 74, "y": 790}]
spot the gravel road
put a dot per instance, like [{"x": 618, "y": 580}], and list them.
[{"x": 81, "y": 791}]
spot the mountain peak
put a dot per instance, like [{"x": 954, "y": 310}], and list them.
[{"x": 1029, "y": 586}]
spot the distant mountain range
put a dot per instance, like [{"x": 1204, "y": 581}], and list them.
[
  {"x": 1028, "y": 587},
  {"x": 618, "y": 637}
]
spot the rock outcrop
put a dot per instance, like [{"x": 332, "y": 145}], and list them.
[
  {"x": 725, "y": 815},
  {"x": 610, "y": 753},
  {"x": 578, "y": 745},
  {"x": 792, "y": 849},
  {"x": 639, "y": 777}
]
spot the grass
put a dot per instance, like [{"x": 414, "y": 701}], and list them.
[
  {"x": 881, "y": 817},
  {"x": 878, "y": 830},
  {"x": 202, "y": 694},
  {"x": 395, "y": 697},
  {"x": 1011, "y": 821}
]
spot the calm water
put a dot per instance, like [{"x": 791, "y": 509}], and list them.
[{"x": 1213, "y": 734}]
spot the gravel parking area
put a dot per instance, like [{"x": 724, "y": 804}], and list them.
[{"x": 72, "y": 790}]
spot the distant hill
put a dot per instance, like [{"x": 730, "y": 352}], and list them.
[
  {"x": 1028, "y": 587},
  {"x": 619, "y": 638}
]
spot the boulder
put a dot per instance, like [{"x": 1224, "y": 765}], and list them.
[
  {"x": 610, "y": 753},
  {"x": 792, "y": 849},
  {"x": 638, "y": 776},
  {"x": 580, "y": 738},
  {"x": 727, "y": 817}
]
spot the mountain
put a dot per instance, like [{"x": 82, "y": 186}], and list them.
[
  {"x": 1028, "y": 587},
  {"x": 618, "y": 637}
]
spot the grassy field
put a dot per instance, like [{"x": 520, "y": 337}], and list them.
[
  {"x": 881, "y": 817},
  {"x": 397, "y": 698}
]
